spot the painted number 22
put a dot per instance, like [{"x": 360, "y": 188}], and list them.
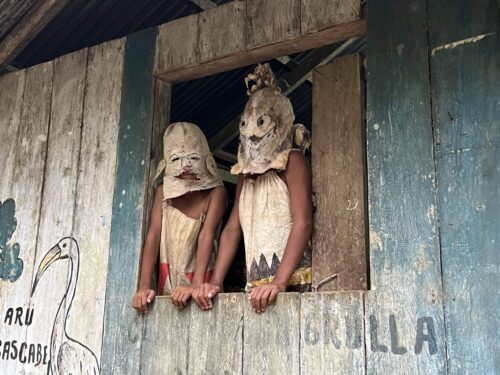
[{"x": 352, "y": 204}]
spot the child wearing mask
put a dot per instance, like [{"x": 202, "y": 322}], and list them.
[
  {"x": 187, "y": 210},
  {"x": 273, "y": 203}
]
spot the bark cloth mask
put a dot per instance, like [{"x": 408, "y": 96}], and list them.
[
  {"x": 267, "y": 132},
  {"x": 186, "y": 149}
]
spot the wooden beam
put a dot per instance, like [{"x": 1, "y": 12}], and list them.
[
  {"x": 224, "y": 136},
  {"x": 227, "y": 177},
  {"x": 8, "y": 69},
  {"x": 204, "y": 4},
  {"x": 223, "y": 155},
  {"x": 130, "y": 194},
  {"x": 339, "y": 239},
  {"x": 12, "y": 12},
  {"x": 321, "y": 38},
  {"x": 316, "y": 59},
  {"x": 24, "y": 32}
]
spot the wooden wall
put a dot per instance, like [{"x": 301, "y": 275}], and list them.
[
  {"x": 465, "y": 77},
  {"x": 79, "y": 139},
  {"x": 59, "y": 125}
]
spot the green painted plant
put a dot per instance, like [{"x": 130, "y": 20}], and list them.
[{"x": 11, "y": 266}]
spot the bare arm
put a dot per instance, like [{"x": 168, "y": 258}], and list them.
[
  {"x": 216, "y": 208},
  {"x": 229, "y": 240},
  {"x": 208, "y": 232},
  {"x": 145, "y": 294},
  {"x": 299, "y": 182},
  {"x": 228, "y": 245}
]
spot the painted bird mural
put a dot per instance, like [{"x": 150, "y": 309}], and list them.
[{"x": 67, "y": 356}]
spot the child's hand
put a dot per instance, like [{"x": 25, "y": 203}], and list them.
[
  {"x": 142, "y": 298},
  {"x": 181, "y": 296},
  {"x": 204, "y": 293},
  {"x": 263, "y": 295}
]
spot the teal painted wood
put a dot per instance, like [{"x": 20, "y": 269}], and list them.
[
  {"x": 404, "y": 252},
  {"x": 466, "y": 105},
  {"x": 122, "y": 326},
  {"x": 459, "y": 20}
]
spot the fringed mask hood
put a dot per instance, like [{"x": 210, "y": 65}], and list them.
[
  {"x": 186, "y": 151},
  {"x": 267, "y": 132}
]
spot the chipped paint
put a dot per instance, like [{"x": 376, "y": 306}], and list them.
[
  {"x": 420, "y": 262},
  {"x": 375, "y": 241},
  {"x": 400, "y": 48},
  {"x": 461, "y": 42},
  {"x": 431, "y": 213}
]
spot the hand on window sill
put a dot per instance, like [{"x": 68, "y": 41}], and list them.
[
  {"x": 142, "y": 298},
  {"x": 181, "y": 295},
  {"x": 263, "y": 295},
  {"x": 204, "y": 293}
]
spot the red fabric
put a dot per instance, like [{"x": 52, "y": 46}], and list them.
[
  {"x": 164, "y": 271},
  {"x": 208, "y": 276}
]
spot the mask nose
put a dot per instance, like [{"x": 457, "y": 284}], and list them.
[
  {"x": 185, "y": 163},
  {"x": 254, "y": 139}
]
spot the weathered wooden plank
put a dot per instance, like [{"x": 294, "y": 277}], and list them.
[
  {"x": 11, "y": 100},
  {"x": 166, "y": 339},
  {"x": 406, "y": 297},
  {"x": 38, "y": 16},
  {"x": 332, "y": 333},
  {"x": 268, "y": 22},
  {"x": 25, "y": 188},
  {"x": 319, "y": 14},
  {"x": 466, "y": 104},
  {"x": 339, "y": 239},
  {"x": 216, "y": 41},
  {"x": 451, "y": 21},
  {"x": 94, "y": 194},
  {"x": 122, "y": 329},
  {"x": 271, "y": 340},
  {"x": 401, "y": 337},
  {"x": 237, "y": 58},
  {"x": 58, "y": 205},
  {"x": 11, "y": 12},
  {"x": 161, "y": 116},
  {"x": 221, "y": 328},
  {"x": 177, "y": 43}
]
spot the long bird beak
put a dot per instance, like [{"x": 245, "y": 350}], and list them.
[{"x": 49, "y": 258}]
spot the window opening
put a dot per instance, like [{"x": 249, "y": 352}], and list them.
[{"x": 215, "y": 104}]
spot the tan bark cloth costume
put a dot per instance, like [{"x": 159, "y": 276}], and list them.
[
  {"x": 266, "y": 138},
  {"x": 184, "y": 144}
]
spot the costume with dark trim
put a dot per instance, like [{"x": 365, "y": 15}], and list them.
[{"x": 267, "y": 136}]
